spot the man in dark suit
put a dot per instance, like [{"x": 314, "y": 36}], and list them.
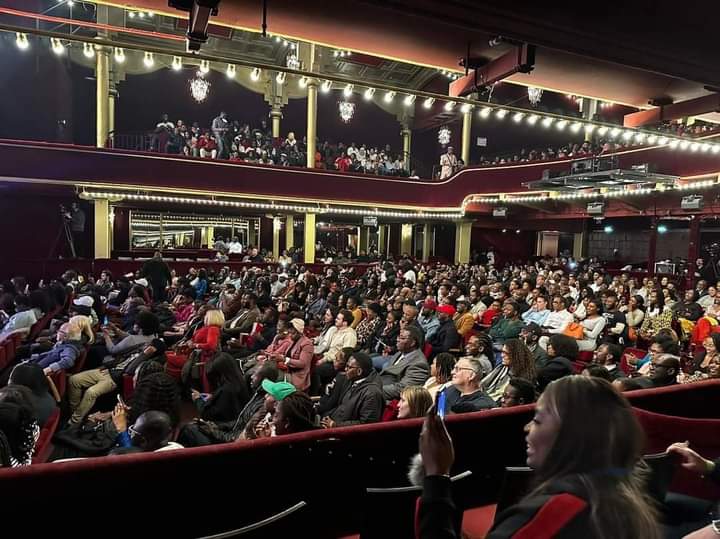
[
  {"x": 408, "y": 367},
  {"x": 157, "y": 272},
  {"x": 446, "y": 337}
]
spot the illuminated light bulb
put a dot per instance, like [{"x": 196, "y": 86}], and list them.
[
  {"x": 547, "y": 121},
  {"x": 533, "y": 118},
  {"x": 230, "y": 72},
  {"x": 150, "y": 14},
  {"x": 589, "y": 128},
  {"x": 389, "y": 96},
  {"x": 662, "y": 141},
  {"x": 303, "y": 82},
  {"x": 684, "y": 145},
  {"x": 561, "y": 125},
  {"x": 285, "y": 42},
  {"x": 501, "y": 113},
  {"x": 57, "y": 46},
  {"x": 255, "y": 74},
  {"x": 131, "y": 14},
  {"x": 336, "y": 53},
  {"x": 348, "y": 91},
  {"x": 705, "y": 147},
  {"x": 368, "y": 95},
  {"x": 280, "y": 77},
  {"x": 176, "y": 64},
  {"x": 652, "y": 139},
  {"x": 409, "y": 100},
  {"x": 326, "y": 86},
  {"x": 694, "y": 147},
  {"x": 485, "y": 112},
  {"x": 639, "y": 137},
  {"x": 429, "y": 102},
  {"x": 141, "y": 15},
  {"x": 204, "y": 66},
  {"x": 517, "y": 117},
  {"x": 627, "y": 135},
  {"x": 277, "y": 39},
  {"x": 673, "y": 144},
  {"x": 119, "y": 55},
  {"x": 716, "y": 148},
  {"x": 603, "y": 130},
  {"x": 467, "y": 107},
  {"x": 576, "y": 127},
  {"x": 88, "y": 50},
  {"x": 449, "y": 106}
]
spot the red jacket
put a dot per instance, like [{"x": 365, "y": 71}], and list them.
[{"x": 299, "y": 363}]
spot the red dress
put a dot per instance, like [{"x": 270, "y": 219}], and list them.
[{"x": 206, "y": 338}]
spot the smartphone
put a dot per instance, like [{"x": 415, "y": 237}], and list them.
[
  {"x": 105, "y": 321},
  {"x": 121, "y": 401},
  {"x": 441, "y": 405}
]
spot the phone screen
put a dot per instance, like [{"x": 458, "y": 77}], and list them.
[{"x": 441, "y": 405}]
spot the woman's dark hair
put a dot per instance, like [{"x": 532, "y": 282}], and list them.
[
  {"x": 18, "y": 425},
  {"x": 598, "y": 371},
  {"x": 564, "y": 346},
  {"x": 522, "y": 362},
  {"x": 598, "y": 304},
  {"x": 21, "y": 300},
  {"x": 223, "y": 369},
  {"x": 149, "y": 323},
  {"x": 39, "y": 299},
  {"x": 444, "y": 365},
  {"x": 660, "y": 303},
  {"x": 525, "y": 389},
  {"x": 157, "y": 391},
  {"x": 640, "y": 302},
  {"x": 31, "y": 376},
  {"x": 603, "y": 454},
  {"x": 299, "y": 411}
]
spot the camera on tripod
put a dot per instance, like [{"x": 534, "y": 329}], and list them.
[{"x": 65, "y": 213}]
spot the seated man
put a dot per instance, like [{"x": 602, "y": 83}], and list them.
[
  {"x": 530, "y": 335},
  {"x": 108, "y": 378},
  {"x": 507, "y": 327},
  {"x": 518, "y": 391},
  {"x": 151, "y": 431},
  {"x": 480, "y": 349},
  {"x": 408, "y": 367},
  {"x": 608, "y": 355},
  {"x": 362, "y": 399},
  {"x": 446, "y": 337},
  {"x": 663, "y": 372},
  {"x": 465, "y": 394},
  {"x": 63, "y": 355}
]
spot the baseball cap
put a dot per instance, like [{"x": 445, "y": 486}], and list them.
[
  {"x": 430, "y": 304},
  {"x": 278, "y": 390},
  {"x": 447, "y": 309}
]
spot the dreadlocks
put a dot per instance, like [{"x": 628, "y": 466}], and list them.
[{"x": 299, "y": 412}]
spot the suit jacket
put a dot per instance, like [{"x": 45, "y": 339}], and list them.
[
  {"x": 412, "y": 370},
  {"x": 299, "y": 362}
]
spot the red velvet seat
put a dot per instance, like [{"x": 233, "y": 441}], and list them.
[
  {"x": 3, "y": 357},
  {"x": 80, "y": 361},
  {"x": 59, "y": 378},
  {"x": 477, "y": 522},
  {"x": 43, "y": 447}
]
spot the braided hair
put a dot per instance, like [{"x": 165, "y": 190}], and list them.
[
  {"x": 20, "y": 431},
  {"x": 5, "y": 454},
  {"x": 299, "y": 412}
]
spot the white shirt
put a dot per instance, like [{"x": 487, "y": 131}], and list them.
[
  {"x": 235, "y": 247},
  {"x": 409, "y": 275},
  {"x": 557, "y": 321}
]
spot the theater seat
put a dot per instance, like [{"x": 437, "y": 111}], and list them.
[
  {"x": 43, "y": 447},
  {"x": 80, "y": 361},
  {"x": 477, "y": 522}
]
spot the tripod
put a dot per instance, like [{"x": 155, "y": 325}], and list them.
[{"x": 65, "y": 228}]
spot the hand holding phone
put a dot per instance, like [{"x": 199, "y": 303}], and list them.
[
  {"x": 121, "y": 402},
  {"x": 440, "y": 409}
]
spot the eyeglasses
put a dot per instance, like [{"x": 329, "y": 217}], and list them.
[
  {"x": 456, "y": 368},
  {"x": 133, "y": 432}
]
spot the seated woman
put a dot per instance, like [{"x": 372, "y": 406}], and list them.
[
  {"x": 294, "y": 413},
  {"x": 229, "y": 392},
  {"x": 19, "y": 432},
  {"x": 562, "y": 351},
  {"x": 593, "y": 325},
  {"x": 589, "y": 484},
  {"x": 440, "y": 373},
  {"x": 415, "y": 401},
  {"x": 517, "y": 361},
  {"x": 206, "y": 339},
  {"x": 634, "y": 315},
  {"x": 657, "y": 317}
]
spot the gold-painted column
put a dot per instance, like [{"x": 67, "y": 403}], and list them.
[
  {"x": 289, "y": 232},
  {"x": 102, "y": 102},
  {"x": 427, "y": 241},
  {"x": 463, "y": 230},
  {"x": 466, "y": 134},
  {"x": 382, "y": 239},
  {"x": 406, "y": 141},
  {"x": 252, "y": 232},
  {"x": 210, "y": 235},
  {"x": 101, "y": 208},
  {"x": 309, "y": 238},
  {"x": 406, "y": 231},
  {"x": 112, "y": 95},
  {"x": 275, "y": 116},
  {"x": 276, "y": 237},
  {"x": 312, "y": 88}
]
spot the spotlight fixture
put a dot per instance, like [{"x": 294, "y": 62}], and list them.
[
  {"x": 57, "y": 46},
  {"x": 561, "y": 125},
  {"x": 533, "y": 118},
  {"x": 485, "y": 112},
  {"x": 326, "y": 86},
  {"x": 589, "y": 128},
  {"x": 517, "y": 117},
  {"x": 449, "y": 106},
  {"x": 280, "y": 77},
  {"x": 627, "y": 135},
  {"x": 368, "y": 95},
  {"x": 389, "y": 96},
  {"x": 614, "y": 132},
  {"x": 662, "y": 229},
  {"x": 684, "y": 145},
  {"x": 177, "y": 63},
  {"x": 231, "y": 71},
  {"x": 88, "y": 50},
  {"x": 501, "y": 113},
  {"x": 547, "y": 121},
  {"x": 348, "y": 90},
  {"x": 467, "y": 107},
  {"x": 119, "y": 55},
  {"x": 608, "y": 229},
  {"x": 303, "y": 82},
  {"x": 652, "y": 139},
  {"x": 429, "y": 102},
  {"x": 575, "y": 127},
  {"x": 255, "y": 74},
  {"x": 204, "y": 66},
  {"x": 603, "y": 130},
  {"x": 21, "y": 40},
  {"x": 409, "y": 100},
  {"x": 149, "y": 60}
]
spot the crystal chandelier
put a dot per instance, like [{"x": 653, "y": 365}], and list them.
[
  {"x": 444, "y": 136},
  {"x": 534, "y": 95},
  {"x": 199, "y": 88},
  {"x": 347, "y": 111}
]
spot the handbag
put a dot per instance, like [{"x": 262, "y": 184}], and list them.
[{"x": 574, "y": 330}]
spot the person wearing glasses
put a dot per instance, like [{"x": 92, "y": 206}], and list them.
[
  {"x": 465, "y": 394},
  {"x": 151, "y": 431}
]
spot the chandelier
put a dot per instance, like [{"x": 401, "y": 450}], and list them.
[
  {"x": 444, "y": 136},
  {"x": 534, "y": 95},
  {"x": 347, "y": 110},
  {"x": 199, "y": 88}
]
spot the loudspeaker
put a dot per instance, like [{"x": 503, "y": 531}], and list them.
[
  {"x": 692, "y": 202},
  {"x": 596, "y": 208},
  {"x": 499, "y": 212}
]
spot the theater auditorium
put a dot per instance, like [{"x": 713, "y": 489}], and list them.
[{"x": 359, "y": 269}]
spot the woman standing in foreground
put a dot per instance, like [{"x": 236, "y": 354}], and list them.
[{"x": 586, "y": 483}]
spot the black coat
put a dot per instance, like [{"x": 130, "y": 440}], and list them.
[
  {"x": 359, "y": 403},
  {"x": 555, "y": 368},
  {"x": 225, "y": 404},
  {"x": 445, "y": 338},
  {"x": 156, "y": 272}
]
